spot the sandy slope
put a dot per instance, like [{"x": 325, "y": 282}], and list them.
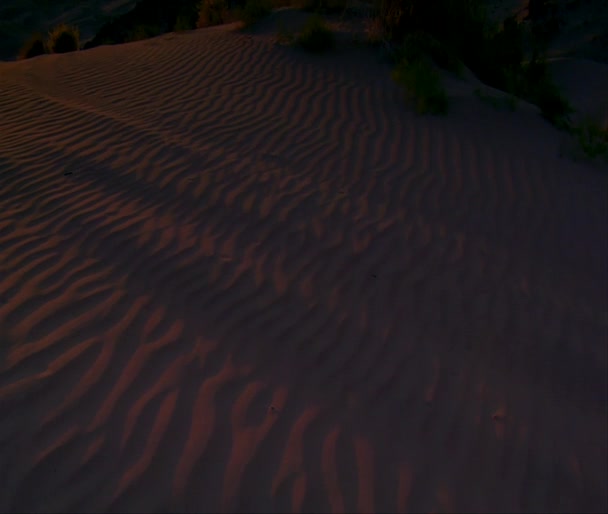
[{"x": 237, "y": 277}]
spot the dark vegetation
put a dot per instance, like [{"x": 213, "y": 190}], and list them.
[
  {"x": 316, "y": 37},
  {"x": 33, "y": 47},
  {"x": 62, "y": 39},
  {"x": 153, "y": 17},
  {"x": 509, "y": 57},
  {"x": 150, "y": 17},
  {"x": 420, "y": 36}
]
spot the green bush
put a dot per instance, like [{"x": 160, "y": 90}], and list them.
[
  {"x": 63, "y": 38},
  {"x": 33, "y": 47},
  {"x": 422, "y": 85},
  {"x": 536, "y": 86},
  {"x": 316, "y": 36}
]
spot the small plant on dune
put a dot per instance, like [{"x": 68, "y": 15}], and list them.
[
  {"x": 33, "y": 47},
  {"x": 538, "y": 87},
  {"x": 592, "y": 138},
  {"x": 213, "y": 12},
  {"x": 63, "y": 38},
  {"x": 422, "y": 85},
  {"x": 253, "y": 11},
  {"x": 316, "y": 36},
  {"x": 553, "y": 106}
]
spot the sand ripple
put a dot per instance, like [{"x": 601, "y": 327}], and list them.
[{"x": 236, "y": 278}]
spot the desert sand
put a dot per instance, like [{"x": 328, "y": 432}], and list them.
[{"x": 236, "y": 277}]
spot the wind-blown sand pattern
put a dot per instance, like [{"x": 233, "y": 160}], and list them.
[{"x": 235, "y": 277}]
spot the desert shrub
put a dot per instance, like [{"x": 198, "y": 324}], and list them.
[
  {"x": 592, "y": 138},
  {"x": 63, "y": 38},
  {"x": 163, "y": 16},
  {"x": 213, "y": 12},
  {"x": 536, "y": 86},
  {"x": 503, "y": 67},
  {"x": 422, "y": 86},
  {"x": 316, "y": 36},
  {"x": 33, "y": 47},
  {"x": 457, "y": 22},
  {"x": 253, "y": 11},
  {"x": 553, "y": 106},
  {"x": 420, "y": 44},
  {"x": 497, "y": 58},
  {"x": 458, "y": 31}
]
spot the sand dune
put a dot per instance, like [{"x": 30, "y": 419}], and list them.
[{"x": 235, "y": 277}]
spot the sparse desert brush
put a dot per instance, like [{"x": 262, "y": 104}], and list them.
[
  {"x": 316, "y": 36},
  {"x": 253, "y": 11},
  {"x": 460, "y": 22},
  {"x": 553, "y": 106},
  {"x": 213, "y": 12},
  {"x": 419, "y": 44},
  {"x": 498, "y": 60},
  {"x": 587, "y": 141},
  {"x": 422, "y": 86},
  {"x": 536, "y": 86},
  {"x": 33, "y": 47},
  {"x": 592, "y": 138},
  {"x": 63, "y": 38}
]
